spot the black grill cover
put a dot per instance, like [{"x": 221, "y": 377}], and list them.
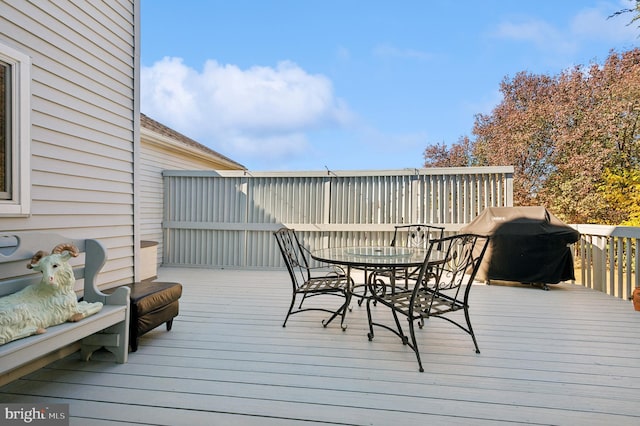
[{"x": 528, "y": 245}]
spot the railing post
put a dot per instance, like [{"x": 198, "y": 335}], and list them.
[
  {"x": 599, "y": 263},
  {"x": 416, "y": 201},
  {"x": 326, "y": 209}
]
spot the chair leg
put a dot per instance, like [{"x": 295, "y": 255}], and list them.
[
  {"x": 473, "y": 336},
  {"x": 293, "y": 302},
  {"x": 304, "y": 296},
  {"x": 370, "y": 320},
  {"x": 342, "y": 311},
  {"x": 401, "y": 334},
  {"x": 169, "y": 324},
  {"x": 347, "y": 303},
  {"x": 414, "y": 343}
]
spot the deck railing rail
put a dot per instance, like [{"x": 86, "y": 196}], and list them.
[
  {"x": 606, "y": 258},
  {"x": 226, "y": 218}
]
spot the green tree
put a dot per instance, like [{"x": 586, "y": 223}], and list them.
[{"x": 621, "y": 188}]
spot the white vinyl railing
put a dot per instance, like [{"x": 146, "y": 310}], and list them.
[
  {"x": 221, "y": 219},
  {"x": 227, "y": 218},
  {"x": 606, "y": 258}
]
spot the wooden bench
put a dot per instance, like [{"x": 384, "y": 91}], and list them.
[{"x": 108, "y": 328}]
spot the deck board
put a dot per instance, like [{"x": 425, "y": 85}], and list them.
[{"x": 565, "y": 356}]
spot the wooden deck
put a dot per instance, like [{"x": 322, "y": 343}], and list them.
[{"x": 567, "y": 356}]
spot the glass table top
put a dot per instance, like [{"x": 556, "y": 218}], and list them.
[{"x": 371, "y": 256}]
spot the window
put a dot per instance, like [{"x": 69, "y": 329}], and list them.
[
  {"x": 15, "y": 137},
  {"x": 5, "y": 149}
]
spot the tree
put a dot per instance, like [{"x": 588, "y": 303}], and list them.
[
  {"x": 517, "y": 133},
  {"x": 604, "y": 138},
  {"x": 459, "y": 154},
  {"x": 622, "y": 189},
  {"x": 581, "y": 154},
  {"x": 567, "y": 137}
]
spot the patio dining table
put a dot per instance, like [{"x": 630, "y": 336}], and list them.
[
  {"x": 373, "y": 259},
  {"x": 381, "y": 257}
]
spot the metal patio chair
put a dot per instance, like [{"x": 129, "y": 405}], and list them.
[
  {"x": 311, "y": 281},
  {"x": 415, "y": 235},
  {"x": 441, "y": 287}
]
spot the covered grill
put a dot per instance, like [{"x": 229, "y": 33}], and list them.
[{"x": 528, "y": 245}]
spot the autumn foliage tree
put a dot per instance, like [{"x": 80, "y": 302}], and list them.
[
  {"x": 459, "y": 154},
  {"x": 569, "y": 138}
]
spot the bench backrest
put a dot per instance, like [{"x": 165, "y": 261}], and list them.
[{"x": 17, "y": 249}]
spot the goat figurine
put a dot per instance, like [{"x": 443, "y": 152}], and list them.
[{"x": 51, "y": 302}]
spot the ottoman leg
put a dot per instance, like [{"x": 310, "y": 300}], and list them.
[
  {"x": 169, "y": 324},
  {"x": 133, "y": 327}
]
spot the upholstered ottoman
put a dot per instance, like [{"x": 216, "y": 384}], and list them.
[{"x": 152, "y": 303}]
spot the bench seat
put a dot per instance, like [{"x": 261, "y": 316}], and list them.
[
  {"x": 12, "y": 354},
  {"x": 107, "y": 328}
]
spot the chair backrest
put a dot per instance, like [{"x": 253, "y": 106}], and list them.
[
  {"x": 293, "y": 256},
  {"x": 462, "y": 256},
  {"x": 416, "y": 235}
]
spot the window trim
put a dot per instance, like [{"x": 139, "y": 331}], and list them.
[{"x": 20, "y": 202}]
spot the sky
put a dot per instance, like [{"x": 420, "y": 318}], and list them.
[{"x": 291, "y": 85}]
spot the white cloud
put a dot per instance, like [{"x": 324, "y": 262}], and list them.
[
  {"x": 259, "y": 112},
  {"x": 166, "y": 92},
  {"x": 588, "y": 25},
  {"x": 541, "y": 34},
  {"x": 599, "y": 24},
  {"x": 273, "y": 148}
]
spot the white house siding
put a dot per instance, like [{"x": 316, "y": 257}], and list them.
[
  {"x": 164, "y": 149},
  {"x": 83, "y": 121}
]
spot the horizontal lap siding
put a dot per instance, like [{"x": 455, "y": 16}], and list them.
[
  {"x": 154, "y": 159},
  {"x": 82, "y": 121},
  {"x": 230, "y": 216}
]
